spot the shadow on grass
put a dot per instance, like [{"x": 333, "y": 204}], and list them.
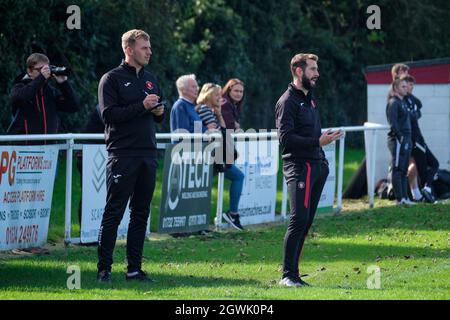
[
  {"x": 419, "y": 217},
  {"x": 165, "y": 258},
  {"x": 54, "y": 279}
]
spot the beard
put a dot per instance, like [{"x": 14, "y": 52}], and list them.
[{"x": 307, "y": 83}]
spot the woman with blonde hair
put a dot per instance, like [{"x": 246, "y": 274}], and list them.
[
  {"x": 209, "y": 110},
  {"x": 399, "y": 139}
]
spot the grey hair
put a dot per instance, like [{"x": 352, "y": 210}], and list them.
[{"x": 182, "y": 81}]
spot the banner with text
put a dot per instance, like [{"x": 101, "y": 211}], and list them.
[
  {"x": 27, "y": 177},
  {"x": 258, "y": 161},
  {"x": 186, "y": 189},
  {"x": 94, "y": 194},
  {"x": 327, "y": 198}
]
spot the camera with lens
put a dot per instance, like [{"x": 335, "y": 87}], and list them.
[{"x": 59, "y": 71}]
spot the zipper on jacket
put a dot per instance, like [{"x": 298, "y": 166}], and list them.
[{"x": 45, "y": 115}]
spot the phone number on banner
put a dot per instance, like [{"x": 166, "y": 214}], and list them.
[{"x": 22, "y": 234}]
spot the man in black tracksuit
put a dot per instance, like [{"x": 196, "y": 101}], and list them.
[
  {"x": 426, "y": 163},
  {"x": 128, "y": 98},
  {"x": 304, "y": 165},
  {"x": 35, "y": 102},
  {"x": 399, "y": 139}
]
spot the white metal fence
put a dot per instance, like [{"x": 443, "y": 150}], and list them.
[{"x": 70, "y": 146}]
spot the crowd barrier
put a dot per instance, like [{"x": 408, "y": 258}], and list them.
[{"x": 369, "y": 129}]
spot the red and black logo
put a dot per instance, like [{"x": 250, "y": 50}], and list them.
[{"x": 149, "y": 85}]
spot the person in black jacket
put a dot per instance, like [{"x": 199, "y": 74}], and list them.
[
  {"x": 399, "y": 139},
  {"x": 304, "y": 164},
  {"x": 128, "y": 97},
  {"x": 35, "y": 102},
  {"x": 424, "y": 163}
]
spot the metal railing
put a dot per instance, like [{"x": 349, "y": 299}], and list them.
[{"x": 70, "y": 146}]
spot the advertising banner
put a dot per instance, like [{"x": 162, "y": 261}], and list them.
[
  {"x": 27, "y": 177},
  {"x": 94, "y": 194},
  {"x": 186, "y": 189},
  {"x": 258, "y": 161}
]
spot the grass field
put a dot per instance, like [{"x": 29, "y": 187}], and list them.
[{"x": 409, "y": 245}]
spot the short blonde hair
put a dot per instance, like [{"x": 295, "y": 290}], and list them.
[
  {"x": 129, "y": 38},
  {"x": 208, "y": 89}
]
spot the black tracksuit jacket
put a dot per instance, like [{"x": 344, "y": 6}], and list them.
[
  {"x": 298, "y": 124},
  {"x": 35, "y": 104},
  {"x": 129, "y": 127},
  {"x": 398, "y": 118},
  {"x": 414, "y": 105}
]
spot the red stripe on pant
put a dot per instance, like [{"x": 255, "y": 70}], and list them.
[{"x": 308, "y": 181}]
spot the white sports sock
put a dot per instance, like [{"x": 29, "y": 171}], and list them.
[
  {"x": 427, "y": 189},
  {"x": 416, "y": 194}
]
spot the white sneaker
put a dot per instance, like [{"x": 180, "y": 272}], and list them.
[
  {"x": 289, "y": 282},
  {"x": 408, "y": 202}
]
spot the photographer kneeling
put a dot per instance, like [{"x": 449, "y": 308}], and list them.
[{"x": 35, "y": 102}]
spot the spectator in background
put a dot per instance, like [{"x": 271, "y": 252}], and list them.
[
  {"x": 209, "y": 110},
  {"x": 35, "y": 101},
  {"x": 183, "y": 115},
  {"x": 35, "y": 105},
  {"x": 423, "y": 164},
  {"x": 399, "y": 139},
  {"x": 398, "y": 70},
  {"x": 233, "y": 97}
]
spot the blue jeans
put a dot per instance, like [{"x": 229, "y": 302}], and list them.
[{"x": 237, "y": 182}]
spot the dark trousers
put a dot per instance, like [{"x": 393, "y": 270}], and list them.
[
  {"x": 305, "y": 182},
  {"x": 400, "y": 153},
  {"x": 426, "y": 163},
  {"x": 127, "y": 179}
]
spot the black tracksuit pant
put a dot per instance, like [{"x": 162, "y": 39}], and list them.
[
  {"x": 400, "y": 153},
  {"x": 305, "y": 181},
  {"x": 127, "y": 178},
  {"x": 426, "y": 163}
]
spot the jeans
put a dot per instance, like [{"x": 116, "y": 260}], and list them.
[{"x": 237, "y": 182}]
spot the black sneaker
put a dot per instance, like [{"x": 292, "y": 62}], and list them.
[
  {"x": 104, "y": 276},
  {"x": 138, "y": 276},
  {"x": 301, "y": 282},
  {"x": 428, "y": 196},
  {"x": 304, "y": 283},
  {"x": 233, "y": 219}
]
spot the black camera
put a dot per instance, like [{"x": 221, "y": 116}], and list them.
[{"x": 59, "y": 71}]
